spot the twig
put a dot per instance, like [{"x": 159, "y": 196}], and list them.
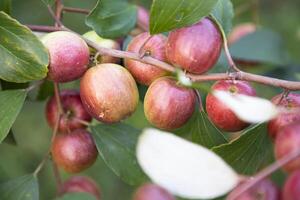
[
  {"x": 42, "y": 163},
  {"x": 75, "y": 10},
  {"x": 58, "y": 23},
  {"x": 58, "y": 13},
  {"x": 45, "y": 29},
  {"x": 263, "y": 174}
]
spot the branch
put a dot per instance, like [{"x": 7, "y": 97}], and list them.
[
  {"x": 240, "y": 75},
  {"x": 262, "y": 175}
]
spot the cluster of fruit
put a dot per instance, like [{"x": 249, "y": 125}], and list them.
[{"x": 108, "y": 93}]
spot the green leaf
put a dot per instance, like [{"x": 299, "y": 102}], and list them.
[
  {"x": 250, "y": 152},
  {"x": 116, "y": 145},
  {"x": 167, "y": 15},
  {"x": 21, "y": 188},
  {"x": 205, "y": 133},
  {"x": 11, "y": 102},
  {"x": 23, "y": 58},
  {"x": 223, "y": 12},
  {"x": 263, "y": 46},
  {"x": 5, "y": 5},
  {"x": 112, "y": 19},
  {"x": 77, "y": 196}
]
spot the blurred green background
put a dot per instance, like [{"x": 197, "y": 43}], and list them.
[{"x": 33, "y": 135}]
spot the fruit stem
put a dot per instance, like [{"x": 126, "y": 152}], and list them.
[
  {"x": 263, "y": 174},
  {"x": 230, "y": 61},
  {"x": 44, "y": 160},
  {"x": 83, "y": 122},
  {"x": 143, "y": 53},
  {"x": 57, "y": 98}
]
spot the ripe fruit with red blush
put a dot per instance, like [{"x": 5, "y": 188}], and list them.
[
  {"x": 291, "y": 189},
  {"x": 152, "y": 192},
  {"x": 168, "y": 105},
  {"x": 75, "y": 151},
  {"x": 195, "y": 48},
  {"x": 290, "y": 112},
  {"x": 288, "y": 141},
  {"x": 73, "y": 112},
  {"x": 107, "y": 43},
  {"x": 109, "y": 92},
  {"x": 155, "y": 47},
  {"x": 81, "y": 184},
  {"x": 219, "y": 113},
  {"x": 264, "y": 190},
  {"x": 241, "y": 31},
  {"x": 69, "y": 56}
]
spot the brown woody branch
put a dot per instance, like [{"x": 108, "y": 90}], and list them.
[{"x": 239, "y": 75}]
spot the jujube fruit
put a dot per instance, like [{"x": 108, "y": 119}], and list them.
[
  {"x": 103, "y": 42},
  {"x": 287, "y": 142},
  {"x": 155, "y": 47},
  {"x": 109, "y": 93},
  {"x": 168, "y": 105},
  {"x": 291, "y": 188},
  {"x": 81, "y": 184},
  {"x": 195, "y": 48},
  {"x": 69, "y": 56},
  {"x": 220, "y": 114},
  {"x": 75, "y": 151},
  {"x": 73, "y": 112},
  {"x": 152, "y": 192},
  {"x": 290, "y": 112}
]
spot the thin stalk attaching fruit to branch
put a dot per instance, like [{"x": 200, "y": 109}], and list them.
[
  {"x": 57, "y": 98},
  {"x": 230, "y": 61}
]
